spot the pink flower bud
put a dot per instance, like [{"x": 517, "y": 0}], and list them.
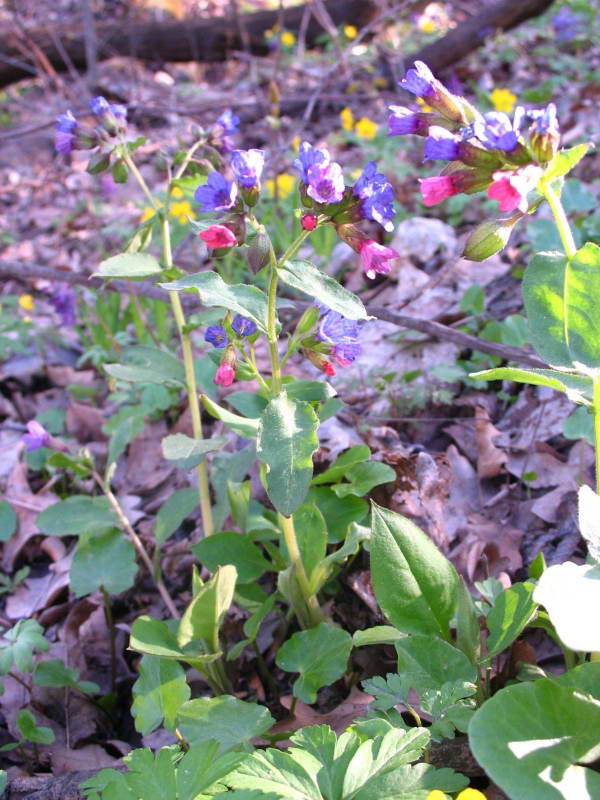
[
  {"x": 510, "y": 188},
  {"x": 375, "y": 258},
  {"x": 309, "y": 222},
  {"x": 225, "y": 375},
  {"x": 328, "y": 368},
  {"x": 218, "y": 236},
  {"x": 436, "y": 189}
]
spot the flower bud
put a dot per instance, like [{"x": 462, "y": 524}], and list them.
[
  {"x": 308, "y": 320},
  {"x": 225, "y": 374},
  {"x": 352, "y": 235},
  {"x": 489, "y": 238},
  {"x": 259, "y": 252},
  {"x": 99, "y": 162},
  {"x": 309, "y": 222},
  {"x": 320, "y": 361}
]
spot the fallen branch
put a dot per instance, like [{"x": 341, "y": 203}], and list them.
[{"x": 436, "y": 330}]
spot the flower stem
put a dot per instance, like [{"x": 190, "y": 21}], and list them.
[
  {"x": 596, "y": 410},
  {"x": 314, "y": 614},
  {"x": 560, "y": 218}
]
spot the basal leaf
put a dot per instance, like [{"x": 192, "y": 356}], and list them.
[
  {"x": 186, "y": 452},
  {"x": 128, "y": 265},
  {"x": 426, "y": 662},
  {"x": 225, "y": 719},
  {"x": 287, "y": 438},
  {"x": 228, "y": 547},
  {"x": 173, "y": 512},
  {"x": 158, "y": 693},
  {"x": 77, "y": 515},
  {"x": 104, "y": 559},
  {"x": 512, "y": 610},
  {"x": 144, "y": 364},
  {"x": 569, "y": 592},
  {"x": 577, "y": 387}
]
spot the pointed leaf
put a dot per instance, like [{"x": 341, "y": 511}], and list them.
[
  {"x": 355, "y": 455},
  {"x": 144, "y": 364},
  {"x": 173, "y": 512},
  {"x": 287, "y": 438},
  {"x": 202, "y": 618},
  {"x": 225, "y": 719},
  {"x": 128, "y": 265},
  {"x": 512, "y": 610},
  {"x": 228, "y": 547},
  {"x": 307, "y": 278},
  {"x": 241, "y": 425},
  {"x": 186, "y": 452},
  {"x": 577, "y": 387}
]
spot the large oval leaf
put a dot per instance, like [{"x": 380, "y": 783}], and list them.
[
  {"x": 128, "y": 265},
  {"x": 415, "y": 585},
  {"x": 307, "y": 278}
]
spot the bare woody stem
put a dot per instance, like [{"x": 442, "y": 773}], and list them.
[{"x": 137, "y": 543}]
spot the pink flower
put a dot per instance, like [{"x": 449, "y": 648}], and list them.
[
  {"x": 218, "y": 236},
  {"x": 436, "y": 189},
  {"x": 510, "y": 188},
  {"x": 36, "y": 436},
  {"x": 225, "y": 375},
  {"x": 375, "y": 258},
  {"x": 328, "y": 368},
  {"x": 309, "y": 222}
]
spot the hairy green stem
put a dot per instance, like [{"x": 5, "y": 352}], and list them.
[
  {"x": 560, "y": 218},
  {"x": 314, "y": 614}
]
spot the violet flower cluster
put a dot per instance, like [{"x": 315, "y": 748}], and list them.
[{"x": 485, "y": 151}]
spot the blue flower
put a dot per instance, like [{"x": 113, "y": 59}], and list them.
[
  {"x": 326, "y": 182},
  {"x": 544, "y": 120},
  {"x": 377, "y": 196},
  {"x": 99, "y": 105},
  {"x": 333, "y": 328},
  {"x": 217, "y": 194},
  {"x": 64, "y": 137},
  {"x": 419, "y": 81},
  {"x": 112, "y": 116},
  {"x": 66, "y": 123},
  {"x": 566, "y": 24},
  {"x": 346, "y": 352},
  {"x": 65, "y": 304},
  {"x": 247, "y": 166},
  {"x": 308, "y": 156},
  {"x": 403, "y": 121},
  {"x": 216, "y": 335},
  {"x": 441, "y": 145},
  {"x": 370, "y": 181},
  {"x": 243, "y": 326},
  {"x": 496, "y": 131},
  {"x": 228, "y": 121}
]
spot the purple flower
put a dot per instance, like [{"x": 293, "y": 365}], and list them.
[
  {"x": 377, "y": 196},
  {"x": 99, "y": 106},
  {"x": 35, "y": 437},
  {"x": 544, "y": 120},
  {"x": 441, "y": 145},
  {"x": 64, "y": 137},
  {"x": 243, "y": 326},
  {"x": 216, "y": 335},
  {"x": 217, "y": 194},
  {"x": 326, "y": 182},
  {"x": 346, "y": 352},
  {"x": 342, "y": 334},
  {"x": 309, "y": 156},
  {"x": 247, "y": 166},
  {"x": 419, "y": 81},
  {"x": 66, "y": 123},
  {"x": 495, "y": 131},
  {"x": 566, "y": 24},
  {"x": 63, "y": 299},
  {"x": 370, "y": 181},
  {"x": 228, "y": 121}
]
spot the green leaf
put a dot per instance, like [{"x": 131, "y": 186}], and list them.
[
  {"x": 31, "y": 731},
  {"x": 103, "y": 559},
  {"x": 3, "y": 781},
  {"x": 123, "y": 435},
  {"x": 204, "y": 615},
  {"x": 589, "y": 520},
  {"x": 77, "y": 515},
  {"x": 580, "y": 425},
  {"x": 311, "y": 534},
  {"x": 307, "y": 278},
  {"x": 249, "y": 404},
  {"x": 63, "y": 461},
  {"x": 564, "y": 161},
  {"x": 357, "y": 534},
  {"x": 415, "y": 585},
  {"x": 240, "y": 425},
  {"x": 569, "y": 592},
  {"x": 20, "y": 642},
  {"x": 534, "y": 739},
  {"x": 158, "y": 693},
  {"x": 8, "y": 521},
  {"x": 154, "y": 637},
  {"x": 287, "y": 438},
  {"x": 186, "y": 452},
  {"x": 311, "y": 391},
  {"x": 173, "y": 512},
  {"x": 129, "y": 265},
  {"x": 249, "y": 301},
  {"x": 339, "y": 513},
  {"x": 152, "y": 777},
  {"x": 320, "y": 655},
  {"x": 414, "y": 782},
  {"x": 561, "y": 299},
  {"x": 380, "y": 634},
  {"x": 363, "y": 478},
  {"x": 427, "y": 663},
  {"x": 144, "y": 364},
  {"x": 225, "y": 719},
  {"x": 228, "y": 547},
  {"x": 355, "y": 455},
  {"x": 577, "y": 387},
  {"x": 512, "y": 610},
  {"x": 274, "y": 774},
  {"x": 54, "y": 672},
  {"x": 201, "y": 767}
]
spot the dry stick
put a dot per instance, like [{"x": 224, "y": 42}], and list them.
[
  {"x": 137, "y": 543},
  {"x": 24, "y": 271}
]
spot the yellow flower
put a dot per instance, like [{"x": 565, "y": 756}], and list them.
[
  {"x": 427, "y": 25},
  {"x": 423, "y": 104},
  {"x": 147, "y": 214},
  {"x": 436, "y": 794},
  {"x": 285, "y": 185},
  {"x": 350, "y": 32},
  {"x": 470, "y": 794},
  {"x": 503, "y": 100},
  {"x": 176, "y": 192},
  {"x": 288, "y": 39},
  {"x": 365, "y": 128},
  {"x": 347, "y": 118},
  {"x": 26, "y": 302},
  {"x": 182, "y": 211},
  {"x": 295, "y": 143}
]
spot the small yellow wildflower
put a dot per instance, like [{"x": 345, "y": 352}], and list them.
[
  {"x": 365, "y": 128},
  {"x": 503, "y": 100},
  {"x": 285, "y": 185},
  {"x": 147, "y": 214},
  {"x": 176, "y": 192},
  {"x": 350, "y": 32},
  {"x": 288, "y": 39},
  {"x": 470, "y": 794},
  {"x": 182, "y": 210},
  {"x": 423, "y": 104},
  {"x": 26, "y": 302},
  {"x": 355, "y": 174},
  {"x": 295, "y": 143},
  {"x": 427, "y": 25},
  {"x": 436, "y": 794},
  {"x": 347, "y": 118}
]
